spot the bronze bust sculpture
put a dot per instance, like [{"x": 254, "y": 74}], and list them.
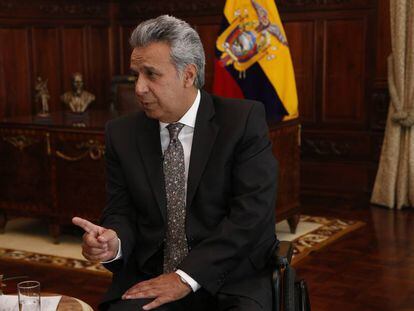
[{"x": 78, "y": 99}]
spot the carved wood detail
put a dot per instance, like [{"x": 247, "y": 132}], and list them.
[
  {"x": 319, "y": 2},
  {"x": 21, "y": 142},
  {"x": 72, "y": 9},
  {"x": 323, "y": 147},
  {"x": 94, "y": 149},
  {"x": 196, "y": 7},
  {"x": 337, "y": 146}
]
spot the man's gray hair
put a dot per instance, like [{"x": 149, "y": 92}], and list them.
[{"x": 184, "y": 41}]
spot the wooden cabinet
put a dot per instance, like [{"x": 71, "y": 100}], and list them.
[
  {"x": 333, "y": 52},
  {"x": 79, "y": 174},
  {"x": 285, "y": 137},
  {"x": 54, "y": 169},
  {"x": 25, "y": 171}
]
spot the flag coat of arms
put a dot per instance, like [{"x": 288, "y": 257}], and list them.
[{"x": 253, "y": 59}]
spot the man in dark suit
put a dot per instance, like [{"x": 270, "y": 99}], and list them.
[{"x": 191, "y": 182}]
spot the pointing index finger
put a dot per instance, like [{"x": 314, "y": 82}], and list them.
[{"x": 85, "y": 225}]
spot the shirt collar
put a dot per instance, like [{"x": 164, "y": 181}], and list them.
[{"x": 189, "y": 117}]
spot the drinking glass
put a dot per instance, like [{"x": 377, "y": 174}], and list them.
[{"x": 29, "y": 295}]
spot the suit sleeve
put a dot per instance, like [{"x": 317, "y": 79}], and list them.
[
  {"x": 251, "y": 208},
  {"x": 118, "y": 213}
]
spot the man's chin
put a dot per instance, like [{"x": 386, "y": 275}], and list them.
[{"x": 151, "y": 114}]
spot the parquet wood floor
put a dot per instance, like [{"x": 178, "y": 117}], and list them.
[{"x": 371, "y": 268}]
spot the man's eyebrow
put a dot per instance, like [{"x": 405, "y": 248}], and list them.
[
  {"x": 151, "y": 68},
  {"x": 148, "y": 68}
]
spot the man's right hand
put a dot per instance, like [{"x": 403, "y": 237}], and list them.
[{"x": 99, "y": 243}]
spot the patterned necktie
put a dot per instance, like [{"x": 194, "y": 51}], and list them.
[{"x": 175, "y": 247}]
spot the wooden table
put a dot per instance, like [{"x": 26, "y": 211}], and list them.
[
  {"x": 67, "y": 303},
  {"x": 73, "y": 304}
]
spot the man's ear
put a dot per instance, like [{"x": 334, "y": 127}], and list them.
[{"x": 189, "y": 75}]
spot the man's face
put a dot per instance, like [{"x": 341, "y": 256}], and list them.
[
  {"x": 78, "y": 84},
  {"x": 161, "y": 92}
]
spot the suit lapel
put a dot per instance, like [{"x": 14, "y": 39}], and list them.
[
  {"x": 205, "y": 133},
  {"x": 149, "y": 145}
]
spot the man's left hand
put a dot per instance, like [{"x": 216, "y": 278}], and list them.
[{"x": 164, "y": 289}]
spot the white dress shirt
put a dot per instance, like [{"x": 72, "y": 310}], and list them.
[{"x": 186, "y": 138}]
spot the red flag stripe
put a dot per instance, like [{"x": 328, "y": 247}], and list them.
[{"x": 224, "y": 84}]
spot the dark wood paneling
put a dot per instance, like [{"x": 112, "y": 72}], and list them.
[
  {"x": 125, "y": 48},
  {"x": 16, "y": 71},
  {"x": 3, "y": 89},
  {"x": 344, "y": 72},
  {"x": 208, "y": 34},
  {"x": 47, "y": 62},
  {"x": 319, "y": 5},
  {"x": 98, "y": 65},
  {"x": 335, "y": 178},
  {"x": 383, "y": 45},
  {"x": 301, "y": 36},
  {"x": 74, "y": 55},
  {"x": 150, "y": 8},
  {"x": 28, "y": 9}
]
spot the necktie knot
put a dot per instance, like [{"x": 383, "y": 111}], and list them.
[{"x": 174, "y": 129}]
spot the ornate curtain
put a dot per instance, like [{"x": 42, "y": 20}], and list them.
[{"x": 394, "y": 184}]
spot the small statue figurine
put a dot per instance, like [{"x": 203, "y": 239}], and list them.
[
  {"x": 78, "y": 100},
  {"x": 42, "y": 94}
]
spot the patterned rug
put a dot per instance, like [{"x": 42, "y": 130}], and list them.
[
  {"x": 331, "y": 229},
  {"x": 327, "y": 230}
]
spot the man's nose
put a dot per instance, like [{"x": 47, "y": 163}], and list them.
[{"x": 141, "y": 86}]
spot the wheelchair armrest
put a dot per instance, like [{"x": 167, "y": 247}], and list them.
[{"x": 283, "y": 254}]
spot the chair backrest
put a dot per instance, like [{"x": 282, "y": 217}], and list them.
[{"x": 123, "y": 99}]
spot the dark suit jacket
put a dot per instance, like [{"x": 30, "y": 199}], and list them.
[{"x": 230, "y": 196}]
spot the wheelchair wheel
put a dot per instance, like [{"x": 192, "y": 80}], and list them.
[
  {"x": 277, "y": 291},
  {"x": 289, "y": 277}
]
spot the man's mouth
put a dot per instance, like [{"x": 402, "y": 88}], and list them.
[{"x": 146, "y": 104}]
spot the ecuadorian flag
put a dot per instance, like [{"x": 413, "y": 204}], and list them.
[{"x": 253, "y": 59}]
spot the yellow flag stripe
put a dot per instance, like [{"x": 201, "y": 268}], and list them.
[{"x": 280, "y": 69}]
